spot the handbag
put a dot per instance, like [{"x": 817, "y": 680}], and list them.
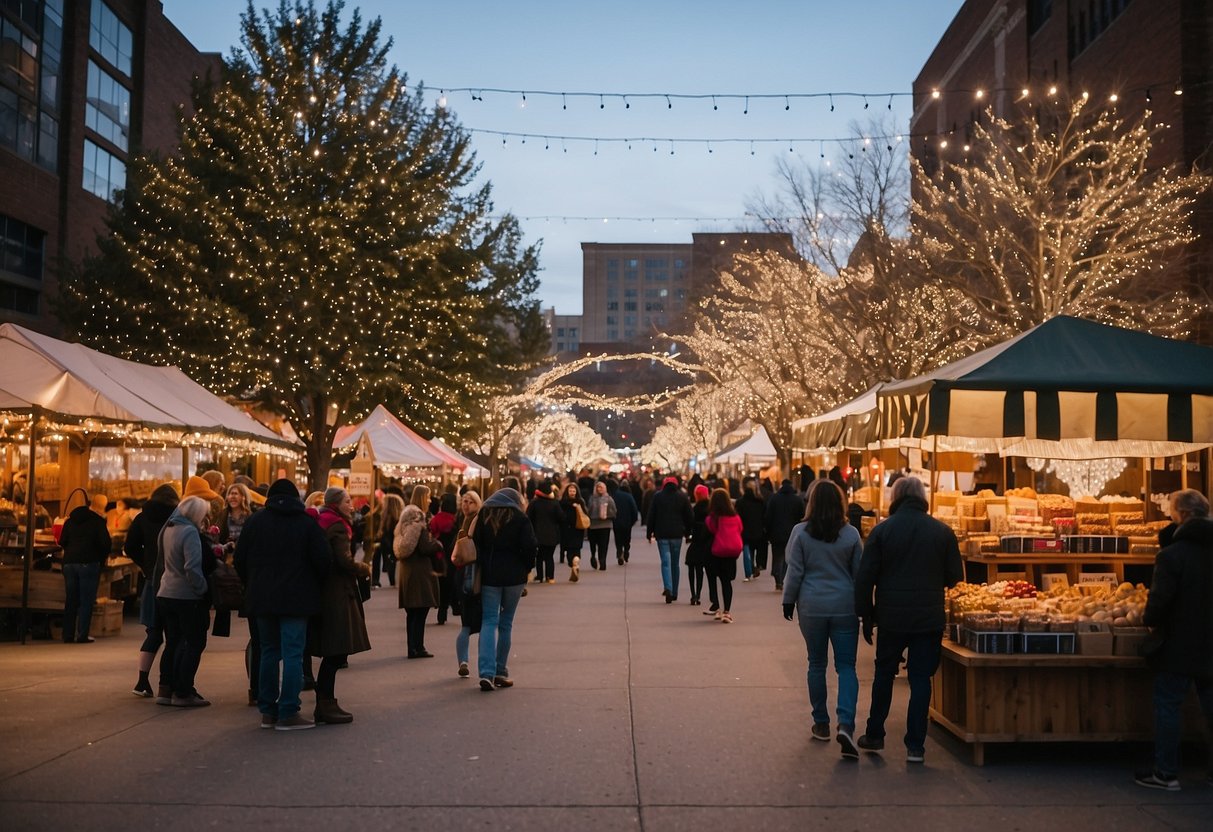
[
  {"x": 227, "y": 590},
  {"x": 364, "y": 588},
  {"x": 583, "y": 519}
]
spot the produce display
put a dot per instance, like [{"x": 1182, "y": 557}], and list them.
[{"x": 1117, "y": 607}]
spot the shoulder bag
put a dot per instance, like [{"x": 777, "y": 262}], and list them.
[{"x": 583, "y": 519}]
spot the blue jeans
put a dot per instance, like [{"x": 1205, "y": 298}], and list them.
[
  {"x": 747, "y": 560},
  {"x": 923, "y": 660},
  {"x": 1170, "y": 689},
  {"x": 461, "y": 645},
  {"x": 500, "y": 604},
  {"x": 80, "y": 581},
  {"x": 669, "y": 548},
  {"x": 840, "y": 632},
  {"x": 282, "y": 641}
]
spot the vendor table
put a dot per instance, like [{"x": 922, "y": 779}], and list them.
[
  {"x": 119, "y": 577},
  {"x": 983, "y": 697},
  {"x": 1073, "y": 563}
]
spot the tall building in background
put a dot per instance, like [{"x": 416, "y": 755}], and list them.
[
  {"x": 1151, "y": 54},
  {"x": 563, "y": 330},
  {"x": 84, "y": 84},
  {"x": 633, "y": 291}
]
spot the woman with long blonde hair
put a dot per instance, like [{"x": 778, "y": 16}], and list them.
[
  {"x": 466, "y": 595},
  {"x": 416, "y": 577}
]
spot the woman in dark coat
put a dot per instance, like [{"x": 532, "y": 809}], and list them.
[
  {"x": 547, "y": 517},
  {"x": 340, "y": 629},
  {"x": 752, "y": 508},
  {"x": 443, "y": 529},
  {"x": 571, "y": 537},
  {"x": 416, "y": 577},
  {"x": 140, "y": 546},
  {"x": 505, "y": 554},
  {"x": 626, "y": 515},
  {"x": 700, "y": 549}
]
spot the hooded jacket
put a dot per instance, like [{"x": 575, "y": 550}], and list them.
[
  {"x": 181, "y": 552},
  {"x": 140, "y": 545},
  {"x": 505, "y": 540},
  {"x": 84, "y": 538},
  {"x": 909, "y": 560},
  {"x": 669, "y": 514},
  {"x": 282, "y": 557},
  {"x": 1181, "y": 601},
  {"x": 546, "y": 516}
]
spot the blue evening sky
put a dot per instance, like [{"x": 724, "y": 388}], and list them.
[{"x": 705, "y": 47}]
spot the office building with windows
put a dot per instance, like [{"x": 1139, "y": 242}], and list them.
[
  {"x": 84, "y": 84},
  {"x": 563, "y": 330},
  {"x": 631, "y": 292}
]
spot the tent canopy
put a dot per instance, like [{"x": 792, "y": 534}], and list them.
[
  {"x": 756, "y": 448},
  {"x": 473, "y": 469},
  {"x": 395, "y": 444},
  {"x": 851, "y": 426},
  {"x": 1070, "y": 387},
  {"x": 73, "y": 383}
]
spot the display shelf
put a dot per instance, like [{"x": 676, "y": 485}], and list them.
[{"x": 997, "y": 562}]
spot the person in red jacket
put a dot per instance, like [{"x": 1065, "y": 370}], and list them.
[{"x": 725, "y": 526}]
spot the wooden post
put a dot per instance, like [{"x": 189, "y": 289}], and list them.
[
  {"x": 30, "y": 495},
  {"x": 185, "y": 464}
]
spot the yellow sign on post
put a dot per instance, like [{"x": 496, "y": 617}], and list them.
[{"x": 362, "y": 470}]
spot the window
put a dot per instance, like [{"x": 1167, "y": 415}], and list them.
[
  {"x": 612, "y": 291},
  {"x": 560, "y": 346},
  {"x": 17, "y": 123},
  {"x": 103, "y": 172},
  {"x": 654, "y": 306},
  {"x": 629, "y": 306},
  {"x": 18, "y": 58},
  {"x": 612, "y": 320},
  {"x": 629, "y": 333},
  {"x": 1038, "y": 13},
  {"x": 110, "y": 38},
  {"x": 559, "y": 332},
  {"x": 572, "y": 332},
  {"x": 679, "y": 263},
  {"x": 612, "y": 306},
  {"x": 629, "y": 293},
  {"x": 107, "y": 107},
  {"x": 22, "y": 248},
  {"x": 612, "y": 335},
  {"x": 629, "y": 320},
  {"x": 654, "y": 263}
]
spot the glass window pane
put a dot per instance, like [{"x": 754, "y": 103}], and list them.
[{"x": 48, "y": 143}]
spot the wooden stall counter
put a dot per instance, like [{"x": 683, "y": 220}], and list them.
[
  {"x": 996, "y": 562},
  {"x": 984, "y": 697}
]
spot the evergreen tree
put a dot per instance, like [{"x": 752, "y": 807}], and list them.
[{"x": 318, "y": 245}]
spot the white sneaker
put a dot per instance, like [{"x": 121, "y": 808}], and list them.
[{"x": 575, "y": 573}]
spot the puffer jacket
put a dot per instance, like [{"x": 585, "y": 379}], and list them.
[
  {"x": 909, "y": 560},
  {"x": 1181, "y": 601}
]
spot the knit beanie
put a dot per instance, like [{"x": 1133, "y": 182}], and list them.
[{"x": 333, "y": 495}]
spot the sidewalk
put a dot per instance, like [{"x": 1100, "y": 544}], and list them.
[{"x": 627, "y": 714}]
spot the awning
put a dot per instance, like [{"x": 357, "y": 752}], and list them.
[
  {"x": 78, "y": 386},
  {"x": 853, "y": 425},
  {"x": 395, "y": 444},
  {"x": 1068, "y": 388}
]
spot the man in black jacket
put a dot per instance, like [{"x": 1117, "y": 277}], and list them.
[
  {"x": 669, "y": 520},
  {"x": 784, "y": 510},
  {"x": 1179, "y": 614},
  {"x": 282, "y": 557},
  {"x": 86, "y": 546},
  {"x": 909, "y": 560}
]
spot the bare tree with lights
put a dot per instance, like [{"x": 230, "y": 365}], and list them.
[
  {"x": 1058, "y": 213},
  {"x": 318, "y": 245},
  {"x": 564, "y": 443}
]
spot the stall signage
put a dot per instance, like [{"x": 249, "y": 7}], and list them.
[{"x": 1098, "y": 578}]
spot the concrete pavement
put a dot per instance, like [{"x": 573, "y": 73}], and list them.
[{"x": 628, "y": 714}]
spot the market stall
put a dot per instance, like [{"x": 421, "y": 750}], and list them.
[
  {"x": 399, "y": 451},
  {"x": 752, "y": 453},
  {"x": 63, "y": 403},
  {"x": 1067, "y": 394}
]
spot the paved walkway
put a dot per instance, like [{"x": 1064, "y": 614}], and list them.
[{"x": 628, "y": 714}]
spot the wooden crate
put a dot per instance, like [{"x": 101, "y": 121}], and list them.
[{"x": 107, "y": 619}]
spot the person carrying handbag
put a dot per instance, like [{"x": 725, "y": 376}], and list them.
[
  {"x": 416, "y": 578},
  {"x": 572, "y": 529},
  {"x": 467, "y": 579}
]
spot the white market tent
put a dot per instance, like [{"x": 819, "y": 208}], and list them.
[
  {"x": 473, "y": 469},
  {"x": 74, "y": 384},
  {"x": 757, "y": 448},
  {"x": 52, "y": 387},
  {"x": 396, "y": 446}
]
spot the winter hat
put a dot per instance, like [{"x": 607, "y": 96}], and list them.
[
  {"x": 701, "y": 492},
  {"x": 333, "y": 495},
  {"x": 669, "y": 481},
  {"x": 197, "y": 487},
  {"x": 284, "y": 488}
]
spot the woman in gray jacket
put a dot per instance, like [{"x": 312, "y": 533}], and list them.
[
  {"x": 822, "y": 560},
  {"x": 602, "y": 513},
  {"x": 183, "y": 600}
]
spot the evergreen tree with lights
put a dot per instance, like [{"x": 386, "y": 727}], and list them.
[{"x": 318, "y": 245}]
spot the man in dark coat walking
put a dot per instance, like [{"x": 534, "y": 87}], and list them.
[
  {"x": 669, "y": 520},
  {"x": 784, "y": 510},
  {"x": 282, "y": 557},
  {"x": 1179, "y": 613},
  {"x": 626, "y": 515},
  {"x": 909, "y": 560}
]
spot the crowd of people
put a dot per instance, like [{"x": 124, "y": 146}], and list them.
[{"x": 306, "y": 566}]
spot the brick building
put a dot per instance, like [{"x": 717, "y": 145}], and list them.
[
  {"x": 84, "y": 84},
  {"x": 632, "y": 291},
  {"x": 1149, "y": 54}
]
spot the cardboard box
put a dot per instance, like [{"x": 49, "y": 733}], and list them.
[
  {"x": 1127, "y": 640},
  {"x": 1094, "y": 639}
]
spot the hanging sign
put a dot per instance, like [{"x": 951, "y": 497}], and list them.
[{"x": 362, "y": 470}]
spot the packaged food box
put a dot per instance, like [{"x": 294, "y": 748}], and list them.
[{"x": 1127, "y": 640}]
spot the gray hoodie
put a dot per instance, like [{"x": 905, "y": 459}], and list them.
[{"x": 181, "y": 546}]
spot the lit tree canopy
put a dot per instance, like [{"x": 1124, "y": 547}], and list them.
[
  {"x": 562, "y": 442},
  {"x": 318, "y": 245},
  {"x": 1058, "y": 214}
]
